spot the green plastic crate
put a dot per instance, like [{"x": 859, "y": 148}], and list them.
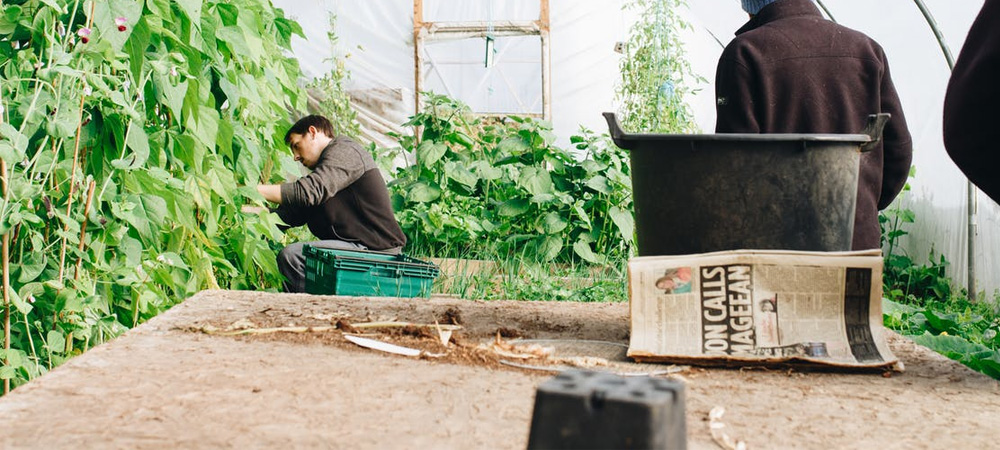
[{"x": 367, "y": 274}]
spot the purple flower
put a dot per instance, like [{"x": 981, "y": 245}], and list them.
[
  {"x": 84, "y": 34},
  {"x": 121, "y": 21}
]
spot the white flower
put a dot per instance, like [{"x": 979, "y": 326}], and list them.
[
  {"x": 161, "y": 258},
  {"x": 126, "y": 84},
  {"x": 31, "y": 298},
  {"x": 173, "y": 71},
  {"x": 87, "y": 90}
]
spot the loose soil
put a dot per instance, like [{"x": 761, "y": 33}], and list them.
[{"x": 178, "y": 382}]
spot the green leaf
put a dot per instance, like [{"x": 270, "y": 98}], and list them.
[
  {"x": 430, "y": 152},
  {"x": 147, "y": 212},
  {"x": 514, "y": 207},
  {"x": 33, "y": 265},
  {"x": 553, "y": 223},
  {"x": 55, "y": 342},
  {"x": 173, "y": 260},
  {"x": 584, "y": 217},
  {"x": 459, "y": 173},
  {"x": 942, "y": 321},
  {"x": 512, "y": 146},
  {"x": 131, "y": 250},
  {"x": 105, "y": 13},
  {"x": 549, "y": 247},
  {"x": 235, "y": 40},
  {"x": 896, "y": 309},
  {"x": 22, "y": 306},
  {"x": 423, "y": 193},
  {"x": 624, "y": 221},
  {"x": 193, "y": 10},
  {"x": 485, "y": 170},
  {"x": 536, "y": 181},
  {"x": 138, "y": 142},
  {"x": 599, "y": 184},
  {"x": 583, "y": 250},
  {"x": 207, "y": 126},
  {"x": 13, "y": 144}
]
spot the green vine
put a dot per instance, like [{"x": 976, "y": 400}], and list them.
[
  {"x": 655, "y": 73},
  {"x": 129, "y": 129},
  {"x": 493, "y": 188}
]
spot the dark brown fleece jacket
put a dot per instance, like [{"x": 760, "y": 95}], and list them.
[
  {"x": 971, "y": 122},
  {"x": 344, "y": 198},
  {"x": 791, "y": 71}
]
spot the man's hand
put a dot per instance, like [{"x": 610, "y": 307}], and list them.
[
  {"x": 251, "y": 209},
  {"x": 271, "y": 192}
]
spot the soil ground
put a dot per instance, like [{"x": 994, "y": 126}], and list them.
[{"x": 175, "y": 382}]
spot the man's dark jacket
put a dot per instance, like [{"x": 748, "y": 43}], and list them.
[
  {"x": 971, "y": 119},
  {"x": 791, "y": 71},
  {"x": 343, "y": 198}
]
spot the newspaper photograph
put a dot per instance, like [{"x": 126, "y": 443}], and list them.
[{"x": 759, "y": 308}]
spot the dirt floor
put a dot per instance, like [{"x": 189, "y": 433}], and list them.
[{"x": 187, "y": 380}]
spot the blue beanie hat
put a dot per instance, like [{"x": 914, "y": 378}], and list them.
[{"x": 754, "y": 6}]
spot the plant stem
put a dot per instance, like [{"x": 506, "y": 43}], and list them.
[{"x": 6, "y": 282}]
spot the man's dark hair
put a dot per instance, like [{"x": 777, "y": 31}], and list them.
[{"x": 302, "y": 127}]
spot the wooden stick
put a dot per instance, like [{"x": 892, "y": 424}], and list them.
[
  {"x": 327, "y": 328},
  {"x": 6, "y": 281},
  {"x": 269, "y": 330},
  {"x": 72, "y": 187},
  {"x": 405, "y": 324},
  {"x": 83, "y": 227}
]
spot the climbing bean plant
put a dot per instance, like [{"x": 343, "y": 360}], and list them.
[
  {"x": 129, "y": 132},
  {"x": 501, "y": 187},
  {"x": 656, "y": 76}
]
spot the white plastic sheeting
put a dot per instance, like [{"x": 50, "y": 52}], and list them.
[{"x": 376, "y": 37}]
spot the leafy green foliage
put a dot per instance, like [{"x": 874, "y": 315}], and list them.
[
  {"x": 655, "y": 73},
  {"x": 921, "y": 303},
  {"x": 125, "y": 154},
  {"x": 328, "y": 96},
  {"x": 904, "y": 280},
  {"x": 963, "y": 331},
  {"x": 495, "y": 188}
]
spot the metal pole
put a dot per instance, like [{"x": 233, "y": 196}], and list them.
[
  {"x": 826, "y": 10},
  {"x": 544, "y": 25},
  {"x": 971, "y": 191}
]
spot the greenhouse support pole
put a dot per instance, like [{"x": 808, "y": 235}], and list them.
[
  {"x": 971, "y": 190},
  {"x": 418, "y": 25},
  {"x": 826, "y": 10},
  {"x": 543, "y": 27}
]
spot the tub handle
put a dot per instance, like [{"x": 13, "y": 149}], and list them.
[
  {"x": 615, "y": 129},
  {"x": 874, "y": 127}
]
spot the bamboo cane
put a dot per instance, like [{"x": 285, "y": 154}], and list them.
[
  {"x": 83, "y": 227},
  {"x": 6, "y": 281},
  {"x": 72, "y": 188}
]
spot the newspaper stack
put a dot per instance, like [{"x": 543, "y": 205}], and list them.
[{"x": 760, "y": 308}]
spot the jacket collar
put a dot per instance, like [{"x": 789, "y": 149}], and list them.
[{"x": 780, "y": 9}]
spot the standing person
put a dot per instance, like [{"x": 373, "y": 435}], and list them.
[
  {"x": 789, "y": 70},
  {"x": 971, "y": 131},
  {"x": 344, "y": 200}
]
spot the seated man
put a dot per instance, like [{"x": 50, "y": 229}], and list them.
[
  {"x": 344, "y": 200},
  {"x": 970, "y": 120},
  {"x": 789, "y": 70}
]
